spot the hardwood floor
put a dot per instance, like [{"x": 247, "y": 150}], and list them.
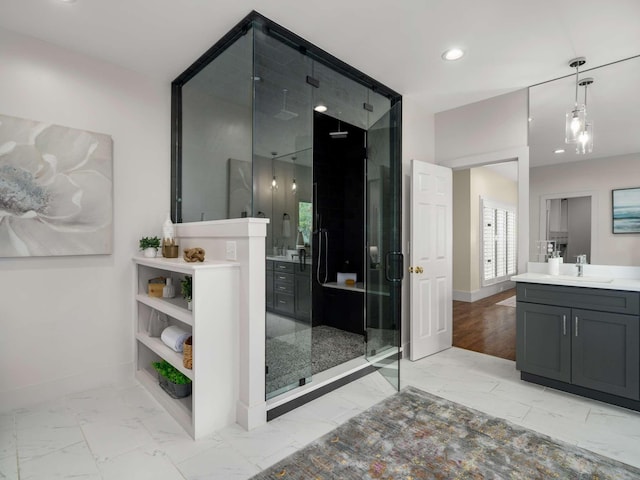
[{"x": 485, "y": 327}]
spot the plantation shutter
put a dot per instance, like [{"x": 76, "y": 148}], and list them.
[{"x": 498, "y": 242}]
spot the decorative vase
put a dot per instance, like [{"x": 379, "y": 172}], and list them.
[
  {"x": 169, "y": 291},
  {"x": 150, "y": 252},
  {"x": 189, "y": 305}
]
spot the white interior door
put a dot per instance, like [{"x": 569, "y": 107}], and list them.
[{"x": 431, "y": 264}]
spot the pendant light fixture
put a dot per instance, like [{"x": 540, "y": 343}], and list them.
[
  {"x": 577, "y": 117},
  {"x": 294, "y": 186},
  {"x": 274, "y": 182},
  {"x": 585, "y": 136}
]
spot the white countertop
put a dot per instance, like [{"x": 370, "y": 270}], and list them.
[{"x": 595, "y": 276}]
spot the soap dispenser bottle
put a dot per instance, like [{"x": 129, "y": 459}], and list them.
[{"x": 169, "y": 246}]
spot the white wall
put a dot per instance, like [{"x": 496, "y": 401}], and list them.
[
  {"x": 66, "y": 322},
  {"x": 597, "y": 178},
  {"x": 498, "y": 123},
  {"x": 418, "y": 144}
]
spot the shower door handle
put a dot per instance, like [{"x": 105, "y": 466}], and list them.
[{"x": 389, "y": 258}]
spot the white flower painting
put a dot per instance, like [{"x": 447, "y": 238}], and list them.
[{"x": 56, "y": 190}]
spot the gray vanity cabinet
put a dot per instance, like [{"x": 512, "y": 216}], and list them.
[
  {"x": 269, "y": 285},
  {"x": 543, "y": 341},
  {"x": 289, "y": 289},
  {"x": 605, "y": 353},
  {"x": 302, "y": 292},
  {"x": 595, "y": 348}
]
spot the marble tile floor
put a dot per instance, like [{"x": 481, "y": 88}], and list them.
[{"x": 122, "y": 433}]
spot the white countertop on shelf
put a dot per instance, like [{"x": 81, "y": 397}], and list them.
[
  {"x": 610, "y": 277},
  {"x": 180, "y": 265}
]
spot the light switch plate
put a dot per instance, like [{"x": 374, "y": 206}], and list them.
[{"x": 231, "y": 251}]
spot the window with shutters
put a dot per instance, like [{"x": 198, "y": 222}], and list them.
[{"x": 498, "y": 245}]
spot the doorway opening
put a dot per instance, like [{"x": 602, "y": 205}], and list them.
[{"x": 486, "y": 210}]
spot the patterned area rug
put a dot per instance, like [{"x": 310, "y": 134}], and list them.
[{"x": 415, "y": 435}]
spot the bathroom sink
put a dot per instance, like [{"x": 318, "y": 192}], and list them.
[
  {"x": 585, "y": 279},
  {"x": 575, "y": 278}
]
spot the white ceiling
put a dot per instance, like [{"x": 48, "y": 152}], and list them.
[{"x": 510, "y": 44}]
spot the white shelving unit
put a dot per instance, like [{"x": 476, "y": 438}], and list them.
[{"x": 213, "y": 323}]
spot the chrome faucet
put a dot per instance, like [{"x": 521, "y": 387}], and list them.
[{"x": 581, "y": 261}]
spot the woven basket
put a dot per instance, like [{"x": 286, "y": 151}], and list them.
[{"x": 187, "y": 353}]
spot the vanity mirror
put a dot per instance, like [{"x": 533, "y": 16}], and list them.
[{"x": 559, "y": 173}]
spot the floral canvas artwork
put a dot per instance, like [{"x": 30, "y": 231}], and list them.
[{"x": 56, "y": 190}]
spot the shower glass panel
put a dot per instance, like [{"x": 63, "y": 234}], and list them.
[
  {"x": 282, "y": 177},
  {"x": 384, "y": 272},
  {"x": 216, "y": 138}
]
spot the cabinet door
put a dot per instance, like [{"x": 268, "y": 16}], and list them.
[
  {"x": 543, "y": 340},
  {"x": 302, "y": 291},
  {"x": 605, "y": 353}
]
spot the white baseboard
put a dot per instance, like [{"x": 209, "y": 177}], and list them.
[{"x": 484, "y": 292}]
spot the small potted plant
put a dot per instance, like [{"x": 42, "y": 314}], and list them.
[
  {"x": 150, "y": 246},
  {"x": 172, "y": 380},
  {"x": 185, "y": 289}
]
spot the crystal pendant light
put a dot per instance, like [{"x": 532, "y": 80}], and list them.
[
  {"x": 584, "y": 144},
  {"x": 577, "y": 117}
]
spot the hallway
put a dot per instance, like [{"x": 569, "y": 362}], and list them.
[{"x": 486, "y": 327}]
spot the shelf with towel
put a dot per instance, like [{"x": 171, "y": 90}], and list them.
[
  {"x": 159, "y": 348},
  {"x": 213, "y": 324}
]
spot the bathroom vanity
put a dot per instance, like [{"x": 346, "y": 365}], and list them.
[
  {"x": 289, "y": 287},
  {"x": 580, "y": 334}
]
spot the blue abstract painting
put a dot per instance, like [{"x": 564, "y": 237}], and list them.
[{"x": 626, "y": 210}]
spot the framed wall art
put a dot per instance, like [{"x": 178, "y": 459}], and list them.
[
  {"x": 626, "y": 210},
  {"x": 56, "y": 190}
]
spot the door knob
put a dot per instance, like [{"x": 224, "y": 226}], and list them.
[
  {"x": 410, "y": 269},
  {"x": 419, "y": 270}
]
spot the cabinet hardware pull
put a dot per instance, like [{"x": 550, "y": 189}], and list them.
[
  {"x": 576, "y": 325},
  {"x": 564, "y": 324}
]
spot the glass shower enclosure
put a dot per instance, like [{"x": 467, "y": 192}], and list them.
[{"x": 249, "y": 138}]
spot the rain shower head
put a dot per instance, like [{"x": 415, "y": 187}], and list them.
[
  {"x": 340, "y": 133},
  {"x": 285, "y": 114}
]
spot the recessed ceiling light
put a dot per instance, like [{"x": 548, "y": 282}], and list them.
[
  {"x": 320, "y": 108},
  {"x": 453, "y": 54},
  {"x": 560, "y": 150}
]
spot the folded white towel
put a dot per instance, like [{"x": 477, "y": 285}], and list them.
[
  {"x": 286, "y": 228},
  {"x": 174, "y": 337}
]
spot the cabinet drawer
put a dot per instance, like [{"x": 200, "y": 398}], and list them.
[
  {"x": 280, "y": 287},
  {"x": 615, "y": 301},
  {"x": 280, "y": 277},
  {"x": 283, "y": 267},
  {"x": 284, "y": 303}
]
